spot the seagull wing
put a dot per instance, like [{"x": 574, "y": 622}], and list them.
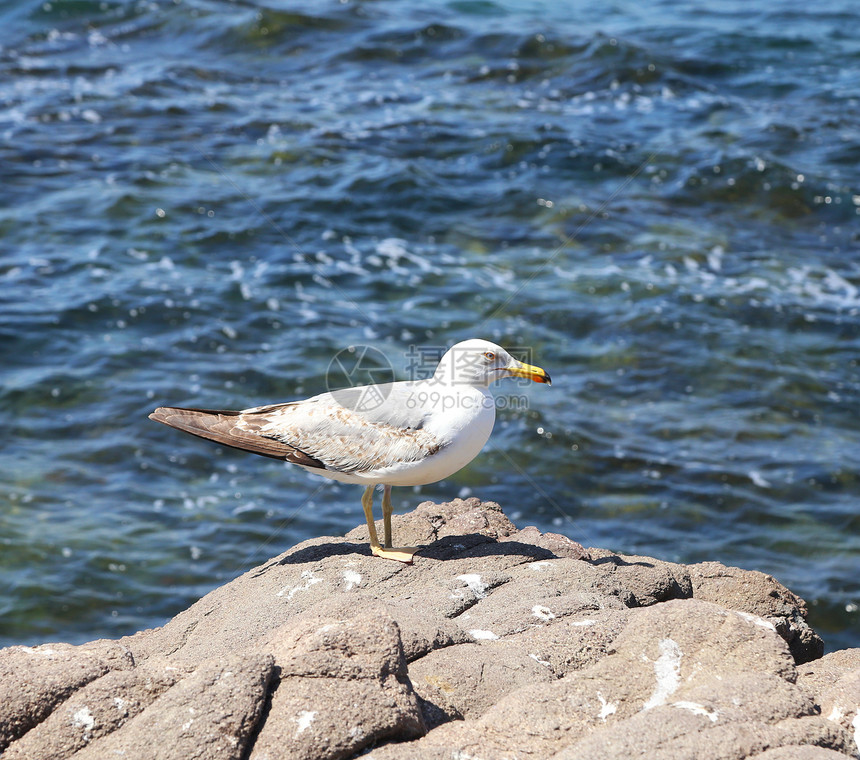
[{"x": 357, "y": 430}]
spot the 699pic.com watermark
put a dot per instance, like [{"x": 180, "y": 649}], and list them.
[
  {"x": 360, "y": 378},
  {"x": 435, "y": 399}
]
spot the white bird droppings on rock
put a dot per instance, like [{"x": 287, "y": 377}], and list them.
[
  {"x": 190, "y": 721},
  {"x": 667, "y": 669},
  {"x": 542, "y": 613},
  {"x": 41, "y": 649},
  {"x": 477, "y": 633},
  {"x": 606, "y": 708},
  {"x": 759, "y": 621},
  {"x": 309, "y": 580},
  {"x": 474, "y": 582},
  {"x": 83, "y": 718},
  {"x": 352, "y": 579},
  {"x": 697, "y": 709},
  {"x": 856, "y": 724},
  {"x": 304, "y": 720}
]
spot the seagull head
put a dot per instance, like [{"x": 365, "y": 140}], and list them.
[{"x": 479, "y": 362}]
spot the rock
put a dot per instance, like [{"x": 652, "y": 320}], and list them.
[
  {"x": 465, "y": 681},
  {"x": 575, "y": 642},
  {"x": 558, "y": 545},
  {"x": 34, "y": 680},
  {"x": 677, "y": 654},
  {"x": 760, "y": 595},
  {"x": 98, "y": 708},
  {"x": 834, "y": 684},
  {"x": 665, "y": 736},
  {"x": 495, "y": 643},
  {"x": 646, "y": 580},
  {"x": 430, "y": 523},
  {"x": 343, "y": 684},
  {"x": 209, "y": 713},
  {"x": 795, "y": 752}
]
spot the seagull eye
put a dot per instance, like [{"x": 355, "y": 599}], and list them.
[{"x": 489, "y": 356}]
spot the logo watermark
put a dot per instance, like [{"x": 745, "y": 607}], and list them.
[
  {"x": 423, "y": 360},
  {"x": 359, "y": 378}
]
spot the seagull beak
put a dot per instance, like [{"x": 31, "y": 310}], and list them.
[{"x": 527, "y": 370}]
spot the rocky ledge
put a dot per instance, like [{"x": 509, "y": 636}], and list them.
[{"x": 497, "y": 643}]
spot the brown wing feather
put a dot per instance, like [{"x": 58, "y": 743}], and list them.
[{"x": 220, "y": 426}]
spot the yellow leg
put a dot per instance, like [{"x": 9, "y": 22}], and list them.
[
  {"x": 367, "y": 503},
  {"x": 386, "y": 514},
  {"x": 402, "y": 554}
]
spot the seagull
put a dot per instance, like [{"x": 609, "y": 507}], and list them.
[{"x": 406, "y": 433}]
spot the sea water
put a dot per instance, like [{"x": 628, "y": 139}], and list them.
[{"x": 202, "y": 202}]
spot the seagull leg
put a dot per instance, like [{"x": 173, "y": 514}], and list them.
[
  {"x": 367, "y": 503},
  {"x": 386, "y": 514},
  {"x": 402, "y": 553}
]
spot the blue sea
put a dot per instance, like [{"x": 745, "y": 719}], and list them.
[{"x": 203, "y": 202}]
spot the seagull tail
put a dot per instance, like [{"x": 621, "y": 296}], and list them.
[
  {"x": 220, "y": 426},
  {"x": 204, "y": 423},
  {"x": 194, "y": 421}
]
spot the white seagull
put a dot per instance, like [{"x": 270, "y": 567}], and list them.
[{"x": 396, "y": 434}]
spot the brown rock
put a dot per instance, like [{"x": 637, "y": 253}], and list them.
[
  {"x": 465, "y": 681},
  {"x": 558, "y": 545},
  {"x": 504, "y": 643},
  {"x": 34, "y": 680},
  {"x": 647, "y": 580},
  {"x": 343, "y": 685},
  {"x": 536, "y": 593},
  {"x": 795, "y": 752},
  {"x": 210, "y": 713},
  {"x": 93, "y": 711},
  {"x": 834, "y": 683},
  {"x": 761, "y": 595},
  {"x": 825, "y": 672},
  {"x": 429, "y": 523},
  {"x": 664, "y": 735},
  {"x": 575, "y": 642}
]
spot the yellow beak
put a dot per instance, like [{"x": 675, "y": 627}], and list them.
[{"x": 532, "y": 373}]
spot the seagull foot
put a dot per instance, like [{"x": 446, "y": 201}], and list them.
[{"x": 400, "y": 553}]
